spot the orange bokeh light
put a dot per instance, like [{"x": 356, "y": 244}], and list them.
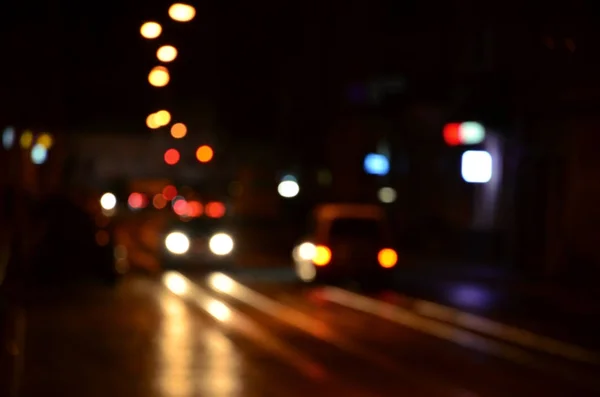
[
  {"x": 178, "y": 130},
  {"x": 159, "y": 201},
  {"x": 172, "y": 156},
  {"x": 195, "y": 209},
  {"x": 215, "y": 209},
  {"x": 204, "y": 154}
]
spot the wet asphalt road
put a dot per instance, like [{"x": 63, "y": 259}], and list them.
[{"x": 250, "y": 336}]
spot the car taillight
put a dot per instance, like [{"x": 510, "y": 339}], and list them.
[
  {"x": 387, "y": 258},
  {"x": 322, "y": 255}
]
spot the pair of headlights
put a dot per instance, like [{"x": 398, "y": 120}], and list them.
[{"x": 219, "y": 244}]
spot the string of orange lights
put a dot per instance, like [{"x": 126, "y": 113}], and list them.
[{"x": 160, "y": 77}]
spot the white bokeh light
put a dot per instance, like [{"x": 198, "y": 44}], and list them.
[
  {"x": 387, "y": 195},
  {"x": 177, "y": 243},
  {"x": 108, "y": 201},
  {"x": 221, "y": 244},
  {"x": 39, "y": 154},
  {"x": 476, "y": 166},
  {"x": 288, "y": 189}
]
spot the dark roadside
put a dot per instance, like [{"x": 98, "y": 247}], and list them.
[{"x": 567, "y": 312}]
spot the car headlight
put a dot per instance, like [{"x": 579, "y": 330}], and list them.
[
  {"x": 221, "y": 244},
  {"x": 177, "y": 243}
]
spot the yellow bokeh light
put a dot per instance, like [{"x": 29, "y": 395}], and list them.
[
  {"x": 182, "y": 12},
  {"x": 166, "y": 53},
  {"x": 162, "y": 118},
  {"x": 26, "y": 139},
  {"x": 151, "y": 122},
  {"x": 159, "y": 76},
  {"x": 150, "y": 30},
  {"x": 45, "y": 140},
  {"x": 178, "y": 130}
]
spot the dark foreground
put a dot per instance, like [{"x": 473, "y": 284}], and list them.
[{"x": 180, "y": 336}]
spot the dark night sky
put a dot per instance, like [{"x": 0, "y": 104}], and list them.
[{"x": 84, "y": 66}]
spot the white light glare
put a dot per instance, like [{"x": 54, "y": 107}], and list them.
[
  {"x": 221, "y": 244},
  {"x": 476, "y": 166},
  {"x": 288, "y": 189},
  {"x": 108, "y": 201},
  {"x": 177, "y": 243}
]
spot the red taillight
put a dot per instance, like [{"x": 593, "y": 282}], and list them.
[
  {"x": 387, "y": 258},
  {"x": 322, "y": 255}
]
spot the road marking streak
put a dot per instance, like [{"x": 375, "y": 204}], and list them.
[
  {"x": 320, "y": 330},
  {"x": 453, "y": 334},
  {"x": 229, "y": 317},
  {"x": 505, "y": 332}
]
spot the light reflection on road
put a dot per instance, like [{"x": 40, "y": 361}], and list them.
[
  {"x": 175, "y": 348},
  {"x": 222, "y": 376}
]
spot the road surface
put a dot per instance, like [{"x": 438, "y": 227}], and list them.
[{"x": 245, "y": 335}]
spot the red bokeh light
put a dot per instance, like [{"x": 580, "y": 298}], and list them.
[
  {"x": 452, "y": 134},
  {"x": 195, "y": 209},
  {"x": 215, "y": 209},
  {"x": 180, "y": 207},
  {"x": 136, "y": 200},
  {"x": 169, "y": 192},
  {"x": 172, "y": 156}
]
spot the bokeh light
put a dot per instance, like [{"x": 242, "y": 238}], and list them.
[
  {"x": 215, "y": 209},
  {"x": 204, "y": 154},
  {"x": 169, "y": 192},
  {"x": 26, "y": 140},
  {"x": 8, "y": 137},
  {"x": 159, "y": 202},
  {"x": 288, "y": 188},
  {"x": 159, "y": 76},
  {"x": 195, "y": 209},
  {"x": 45, "y": 140},
  {"x": 178, "y": 130},
  {"x": 180, "y": 207},
  {"x": 108, "y": 201},
  {"x": 172, "y": 156},
  {"x": 162, "y": 118},
  {"x": 151, "y": 122},
  {"x": 150, "y": 30},
  {"x": 39, "y": 154},
  {"x": 387, "y": 195},
  {"x": 182, "y": 12},
  {"x": 166, "y": 53}
]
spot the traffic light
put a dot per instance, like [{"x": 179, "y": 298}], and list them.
[{"x": 466, "y": 133}]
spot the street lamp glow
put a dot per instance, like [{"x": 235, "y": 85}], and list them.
[
  {"x": 166, "y": 53},
  {"x": 178, "y": 130},
  {"x": 150, "y": 30},
  {"x": 182, "y": 12},
  {"x": 162, "y": 118},
  {"x": 159, "y": 76}
]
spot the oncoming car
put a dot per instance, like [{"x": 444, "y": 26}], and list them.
[
  {"x": 347, "y": 242},
  {"x": 197, "y": 244}
]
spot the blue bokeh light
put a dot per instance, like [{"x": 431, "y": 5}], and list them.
[
  {"x": 8, "y": 137},
  {"x": 376, "y": 164}
]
